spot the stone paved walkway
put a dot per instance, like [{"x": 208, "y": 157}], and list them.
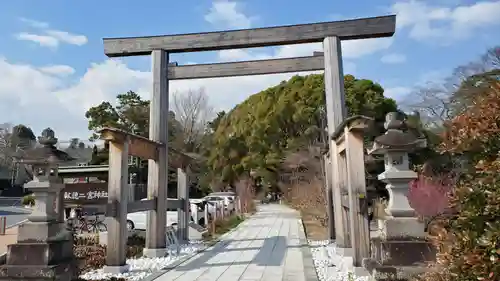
[{"x": 269, "y": 246}]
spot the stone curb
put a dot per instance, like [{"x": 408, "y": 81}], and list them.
[
  {"x": 309, "y": 268},
  {"x": 219, "y": 244}
]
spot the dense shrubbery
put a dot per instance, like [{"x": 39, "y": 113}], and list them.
[
  {"x": 221, "y": 226},
  {"x": 28, "y": 200},
  {"x": 92, "y": 255},
  {"x": 469, "y": 243}
]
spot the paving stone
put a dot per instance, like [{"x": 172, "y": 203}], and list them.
[{"x": 266, "y": 247}]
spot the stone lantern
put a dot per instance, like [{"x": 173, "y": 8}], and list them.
[
  {"x": 395, "y": 145},
  {"x": 399, "y": 248},
  {"x": 44, "y": 248}
]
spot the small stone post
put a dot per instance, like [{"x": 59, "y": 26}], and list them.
[
  {"x": 205, "y": 215},
  {"x": 44, "y": 248},
  {"x": 183, "y": 212}
]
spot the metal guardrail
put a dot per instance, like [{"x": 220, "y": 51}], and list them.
[
  {"x": 11, "y": 201},
  {"x": 174, "y": 248}
]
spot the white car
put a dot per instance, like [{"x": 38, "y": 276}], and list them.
[
  {"x": 198, "y": 209},
  {"x": 211, "y": 202},
  {"x": 228, "y": 197},
  {"x": 138, "y": 220}
]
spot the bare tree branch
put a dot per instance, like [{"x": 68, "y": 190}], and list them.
[
  {"x": 438, "y": 102},
  {"x": 432, "y": 102},
  {"x": 6, "y": 152},
  {"x": 193, "y": 111}
]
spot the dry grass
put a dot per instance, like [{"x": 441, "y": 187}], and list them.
[
  {"x": 308, "y": 198},
  {"x": 313, "y": 227},
  {"x": 221, "y": 226},
  {"x": 246, "y": 193},
  {"x": 301, "y": 182}
]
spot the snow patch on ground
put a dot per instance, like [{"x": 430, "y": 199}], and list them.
[
  {"x": 329, "y": 264},
  {"x": 140, "y": 268}
]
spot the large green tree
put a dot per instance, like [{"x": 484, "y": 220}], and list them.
[
  {"x": 130, "y": 114},
  {"x": 257, "y": 133}
]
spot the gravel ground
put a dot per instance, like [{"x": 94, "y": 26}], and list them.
[
  {"x": 328, "y": 263},
  {"x": 140, "y": 268}
]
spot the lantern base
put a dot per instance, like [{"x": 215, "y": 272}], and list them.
[
  {"x": 40, "y": 261},
  {"x": 396, "y": 227},
  {"x": 409, "y": 252},
  {"x": 38, "y": 232},
  {"x": 399, "y": 273},
  {"x": 59, "y": 272}
]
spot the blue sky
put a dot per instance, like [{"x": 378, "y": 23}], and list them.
[{"x": 52, "y": 66}]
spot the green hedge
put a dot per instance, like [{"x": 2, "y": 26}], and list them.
[{"x": 28, "y": 200}]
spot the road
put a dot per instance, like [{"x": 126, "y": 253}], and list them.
[
  {"x": 12, "y": 209},
  {"x": 16, "y": 213}
]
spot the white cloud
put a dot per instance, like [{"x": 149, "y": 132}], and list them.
[
  {"x": 51, "y": 38},
  {"x": 427, "y": 22},
  {"x": 35, "y": 96},
  {"x": 397, "y": 93},
  {"x": 393, "y": 58},
  {"x": 66, "y": 37},
  {"x": 40, "y": 99},
  {"x": 228, "y": 14},
  {"x": 42, "y": 40},
  {"x": 60, "y": 70},
  {"x": 102, "y": 82},
  {"x": 351, "y": 49},
  {"x": 35, "y": 23},
  {"x": 26, "y": 96}
]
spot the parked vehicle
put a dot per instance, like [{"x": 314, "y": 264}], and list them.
[
  {"x": 138, "y": 220},
  {"x": 228, "y": 197},
  {"x": 198, "y": 209},
  {"x": 212, "y": 201}
]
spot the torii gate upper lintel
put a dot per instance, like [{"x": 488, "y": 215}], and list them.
[{"x": 363, "y": 28}]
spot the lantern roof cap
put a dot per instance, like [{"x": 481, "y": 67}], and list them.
[{"x": 395, "y": 139}]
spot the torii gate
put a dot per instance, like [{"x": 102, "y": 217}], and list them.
[{"x": 330, "y": 33}]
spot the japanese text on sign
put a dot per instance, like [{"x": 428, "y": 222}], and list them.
[{"x": 89, "y": 195}]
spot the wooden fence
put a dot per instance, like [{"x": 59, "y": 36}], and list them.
[
  {"x": 115, "y": 196},
  {"x": 349, "y": 187}
]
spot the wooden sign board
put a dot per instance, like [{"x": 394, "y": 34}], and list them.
[{"x": 86, "y": 193}]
